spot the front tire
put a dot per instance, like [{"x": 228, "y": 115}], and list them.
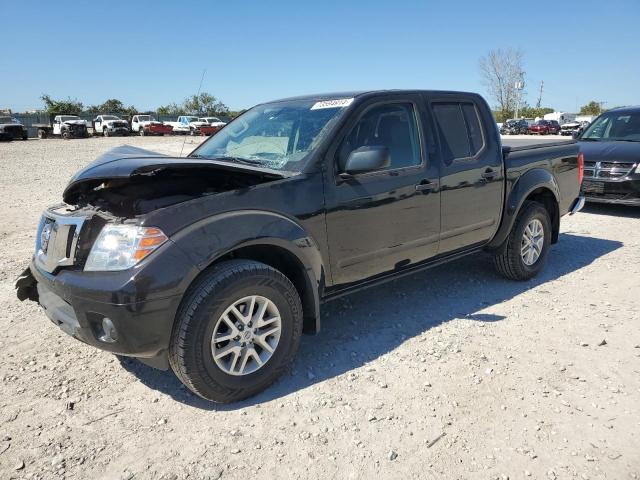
[
  {"x": 524, "y": 252},
  {"x": 236, "y": 332}
]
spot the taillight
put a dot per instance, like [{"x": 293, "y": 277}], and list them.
[{"x": 580, "y": 167}]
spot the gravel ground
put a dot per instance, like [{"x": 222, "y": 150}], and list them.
[{"x": 452, "y": 373}]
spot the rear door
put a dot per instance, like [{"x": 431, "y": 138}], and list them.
[
  {"x": 472, "y": 173},
  {"x": 389, "y": 219}
]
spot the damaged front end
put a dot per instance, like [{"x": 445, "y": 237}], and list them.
[
  {"x": 120, "y": 188},
  {"x": 129, "y": 181},
  {"x": 93, "y": 272}
]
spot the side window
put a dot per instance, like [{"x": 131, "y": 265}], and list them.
[
  {"x": 473, "y": 126},
  {"x": 391, "y": 125},
  {"x": 459, "y": 129}
]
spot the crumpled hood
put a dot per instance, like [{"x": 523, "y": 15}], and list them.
[
  {"x": 610, "y": 151},
  {"x": 75, "y": 122},
  {"x": 126, "y": 162}
]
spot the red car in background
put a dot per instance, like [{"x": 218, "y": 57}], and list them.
[
  {"x": 214, "y": 125},
  {"x": 544, "y": 127}
]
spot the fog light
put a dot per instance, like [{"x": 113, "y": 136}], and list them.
[{"x": 109, "y": 332}]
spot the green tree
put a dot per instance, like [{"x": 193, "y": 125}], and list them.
[
  {"x": 591, "y": 108},
  {"x": 533, "y": 112},
  {"x": 502, "y": 116},
  {"x": 115, "y": 106},
  {"x": 170, "y": 109},
  {"x": 61, "y": 107},
  {"x": 204, "y": 104}
]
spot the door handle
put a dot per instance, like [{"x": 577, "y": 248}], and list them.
[
  {"x": 489, "y": 174},
  {"x": 426, "y": 186}
]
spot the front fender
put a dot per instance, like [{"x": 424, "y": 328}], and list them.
[
  {"x": 208, "y": 240},
  {"x": 523, "y": 187}
]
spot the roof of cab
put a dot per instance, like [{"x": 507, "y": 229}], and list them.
[
  {"x": 363, "y": 93},
  {"x": 628, "y": 109}
]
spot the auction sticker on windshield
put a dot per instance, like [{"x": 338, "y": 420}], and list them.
[{"x": 337, "y": 103}]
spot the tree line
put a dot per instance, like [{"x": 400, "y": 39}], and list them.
[
  {"x": 500, "y": 71},
  {"x": 203, "y": 104}
]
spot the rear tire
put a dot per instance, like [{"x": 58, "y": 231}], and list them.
[
  {"x": 142, "y": 133},
  {"x": 191, "y": 351},
  {"x": 511, "y": 259},
  {"x": 42, "y": 134}
]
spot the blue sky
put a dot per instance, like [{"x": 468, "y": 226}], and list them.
[{"x": 149, "y": 53}]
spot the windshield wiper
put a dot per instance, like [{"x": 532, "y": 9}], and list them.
[
  {"x": 246, "y": 161},
  {"x": 589, "y": 139}
]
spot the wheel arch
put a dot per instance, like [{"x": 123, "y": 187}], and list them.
[
  {"x": 539, "y": 185},
  {"x": 282, "y": 244}
]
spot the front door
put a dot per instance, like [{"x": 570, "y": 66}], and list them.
[
  {"x": 389, "y": 219},
  {"x": 472, "y": 174}
]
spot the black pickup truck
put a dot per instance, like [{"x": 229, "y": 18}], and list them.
[{"x": 214, "y": 264}]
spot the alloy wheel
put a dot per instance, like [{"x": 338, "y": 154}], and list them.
[
  {"x": 246, "y": 335},
  {"x": 532, "y": 242}
]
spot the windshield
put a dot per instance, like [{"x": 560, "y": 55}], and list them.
[
  {"x": 277, "y": 135},
  {"x": 144, "y": 118},
  {"x": 541, "y": 122},
  {"x": 615, "y": 126},
  {"x": 110, "y": 117}
]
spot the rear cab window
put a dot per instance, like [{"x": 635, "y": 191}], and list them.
[{"x": 459, "y": 129}]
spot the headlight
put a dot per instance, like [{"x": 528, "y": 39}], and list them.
[{"x": 119, "y": 247}]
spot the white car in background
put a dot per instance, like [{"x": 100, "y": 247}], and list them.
[
  {"x": 110, "y": 125},
  {"x": 187, "y": 124},
  {"x": 214, "y": 122},
  {"x": 148, "y": 125}
]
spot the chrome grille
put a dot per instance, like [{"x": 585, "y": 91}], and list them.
[
  {"x": 608, "y": 170},
  {"x": 57, "y": 238}
]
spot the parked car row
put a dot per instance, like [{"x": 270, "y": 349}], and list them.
[
  {"x": 541, "y": 127},
  {"x": 523, "y": 127},
  {"x": 72, "y": 126}
]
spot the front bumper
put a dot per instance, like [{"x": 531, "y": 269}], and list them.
[
  {"x": 118, "y": 131},
  {"x": 140, "y": 303},
  {"x": 623, "y": 192}
]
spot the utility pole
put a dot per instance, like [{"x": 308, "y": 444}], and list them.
[
  {"x": 600, "y": 107},
  {"x": 539, "y": 103},
  {"x": 519, "y": 86}
]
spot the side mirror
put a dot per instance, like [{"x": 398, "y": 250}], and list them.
[
  {"x": 367, "y": 159},
  {"x": 575, "y": 134}
]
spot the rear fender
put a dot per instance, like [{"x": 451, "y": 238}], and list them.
[{"x": 523, "y": 187}]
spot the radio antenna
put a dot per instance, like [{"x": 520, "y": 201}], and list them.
[{"x": 197, "y": 94}]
